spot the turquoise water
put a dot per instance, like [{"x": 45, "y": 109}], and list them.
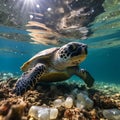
[{"x": 103, "y": 60}]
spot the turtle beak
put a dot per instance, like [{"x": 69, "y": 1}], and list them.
[
  {"x": 84, "y": 47},
  {"x": 86, "y": 51}
]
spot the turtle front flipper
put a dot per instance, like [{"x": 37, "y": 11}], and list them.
[
  {"x": 87, "y": 78},
  {"x": 29, "y": 79}
]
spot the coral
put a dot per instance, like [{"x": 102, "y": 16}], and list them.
[
  {"x": 12, "y": 112},
  {"x": 74, "y": 114}
]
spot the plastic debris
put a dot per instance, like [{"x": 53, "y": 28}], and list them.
[
  {"x": 68, "y": 102},
  {"x": 53, "y": 113},
  {"x": 83, "y": 101},
  {"x": 58, "y": 102},
  {"x": 43, "y": 113},
  {"x": 112, "y": 114}
]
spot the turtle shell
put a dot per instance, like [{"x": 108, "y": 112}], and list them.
[{"x": 44, "y": 55}]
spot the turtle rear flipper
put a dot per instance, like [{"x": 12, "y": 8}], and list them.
[
  {"x": 29, "y": 79},
  {"x": 87, "y": 78}
]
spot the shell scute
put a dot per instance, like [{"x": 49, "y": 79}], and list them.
[{"x": 43, "y": 55}]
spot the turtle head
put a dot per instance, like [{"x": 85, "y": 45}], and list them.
[{"x": 72, "y": 53}]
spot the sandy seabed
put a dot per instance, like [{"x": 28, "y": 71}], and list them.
[{"x": 12, "y": 107}]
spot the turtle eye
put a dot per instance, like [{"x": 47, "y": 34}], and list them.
[{"x": 72, "y": 47}]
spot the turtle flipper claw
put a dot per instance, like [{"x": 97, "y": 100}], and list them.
[{"x": 29, "y": 79}]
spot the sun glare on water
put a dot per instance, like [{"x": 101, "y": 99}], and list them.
[
  {"x": 29, "y": 1},
  {"x": 29, "y": 4}
]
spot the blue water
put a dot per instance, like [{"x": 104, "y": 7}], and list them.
[
  {"x": 103, "y": 60},
  {"x": 103, "y": 63}
]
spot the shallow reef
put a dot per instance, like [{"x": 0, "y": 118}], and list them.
[{"x": 60, "y": 101}]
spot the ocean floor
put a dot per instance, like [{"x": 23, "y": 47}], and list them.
[{"x": 67, "y": 101}]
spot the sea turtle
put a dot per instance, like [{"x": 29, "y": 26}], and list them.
[{"x": 54, "y": 65}]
